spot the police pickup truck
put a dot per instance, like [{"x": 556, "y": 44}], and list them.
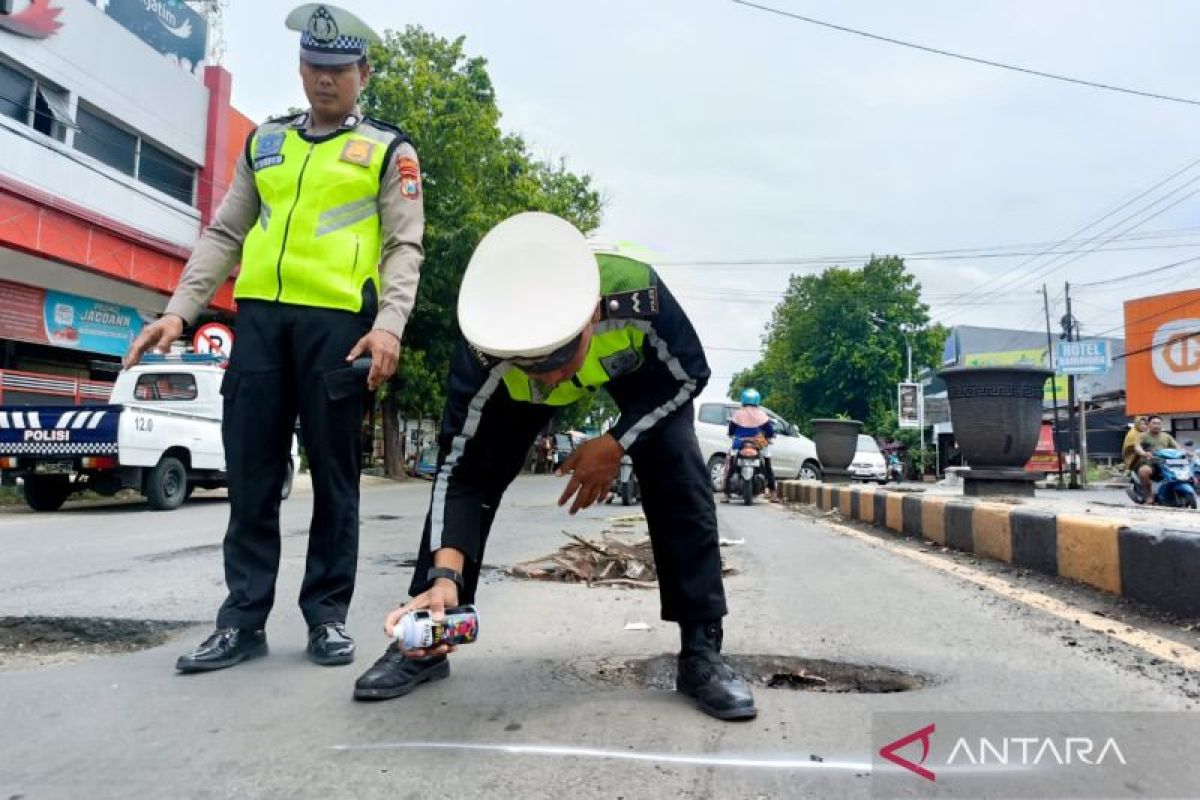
[{"x": 160, "y": 434}]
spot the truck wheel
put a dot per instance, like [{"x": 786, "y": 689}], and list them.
[
  {"x": 47, "y": 492},
  {"x": 167, "y": 484},
  {"x": 287, "y": 482}
]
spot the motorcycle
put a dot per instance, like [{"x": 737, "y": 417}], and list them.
[
  {"x": 1174, "y": 487},
  {"x": 626, "y": 485},
  {"x": 895, "y": 468},
  {"x": 747, "y": 478}
]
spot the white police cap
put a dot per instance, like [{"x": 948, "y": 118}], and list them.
[
  {"x": 330, "y": 36},
  {"x": 531, "y": 287}
]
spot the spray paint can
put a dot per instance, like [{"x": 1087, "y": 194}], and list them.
[{"x": 418, "y": 630}]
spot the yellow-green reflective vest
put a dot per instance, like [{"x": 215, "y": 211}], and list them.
[
  {"x": 616, "y": 347},
  {"x": 318, "y": 239}
]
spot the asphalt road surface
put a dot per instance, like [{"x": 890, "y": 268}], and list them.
[{"x": 537, "y": 707}]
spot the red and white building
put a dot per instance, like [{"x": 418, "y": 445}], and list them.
[{"x": 113, "y": 156}]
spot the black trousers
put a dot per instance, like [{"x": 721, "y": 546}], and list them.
[
  {"x": 287, "y": 361},
  {"x": 677, "y": 499}
]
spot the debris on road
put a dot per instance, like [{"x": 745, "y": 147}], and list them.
[
  {"x": 607, "y": 562},
  {"x": 637, "y": 626},
  {"x": 723, "y": 542}
]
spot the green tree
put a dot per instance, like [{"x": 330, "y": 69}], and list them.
[
  {"x": 835, "y": 344},
  {"x": 473, "y": 177}
]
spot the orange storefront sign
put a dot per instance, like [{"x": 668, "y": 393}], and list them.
[{"x": 1162, "y": 340}]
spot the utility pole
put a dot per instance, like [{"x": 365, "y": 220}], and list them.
[
  {"x": 1068, "y": 325},
  {"x": 1083, "y": 449},
  {"x": 1053, "y": 385}
]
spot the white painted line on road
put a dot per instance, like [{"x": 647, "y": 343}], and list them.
[
  {"x": 1175, "y": 652},
  {"x": 702, "y": 760}
]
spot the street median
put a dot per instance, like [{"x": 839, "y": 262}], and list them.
[{"x": 1156, "y": 566}]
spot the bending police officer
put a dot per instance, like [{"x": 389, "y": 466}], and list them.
[
  {"x": 546, "y": 323},
  {"x": 325, "y": 215}
]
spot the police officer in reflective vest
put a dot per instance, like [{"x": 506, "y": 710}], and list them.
[
  {"x": 325, "y": 215},
  {"x": 547, "y": 323}
]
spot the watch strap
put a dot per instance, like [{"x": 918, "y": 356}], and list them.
[{"x": 444, "y": 572}]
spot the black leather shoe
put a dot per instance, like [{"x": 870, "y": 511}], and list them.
[
  {"x": 224, "y": 648},
  {"x": 393, "y": 675},
  {"x": 329, "y": 645},
  {"x": 703, "y": 675}
]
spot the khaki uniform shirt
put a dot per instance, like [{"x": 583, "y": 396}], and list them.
[{"x": 220, "y": 247}]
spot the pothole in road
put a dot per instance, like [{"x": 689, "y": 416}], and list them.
[
  {"x": 38, "y": 641},
  {"x": 763, "y": 671}
]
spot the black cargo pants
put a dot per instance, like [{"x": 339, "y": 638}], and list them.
[
  {"x": 677, "y": 499},
  {"x": 290, "y": 360}
]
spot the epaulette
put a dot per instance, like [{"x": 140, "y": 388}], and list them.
[
  {"x": 389, "y": 127},
  {"x": 637, "y": 304},
  {"x": 287, "y": 117}
]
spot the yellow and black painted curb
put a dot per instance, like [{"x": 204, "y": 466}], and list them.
[{"x": 1154, "y": 566}]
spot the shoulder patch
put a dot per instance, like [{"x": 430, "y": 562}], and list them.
[{"x": 639, "y": 303}]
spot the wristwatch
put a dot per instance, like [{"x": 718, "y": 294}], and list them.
[{"x": 444, "y": 572}]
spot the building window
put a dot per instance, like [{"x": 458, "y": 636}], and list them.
[
  {"x": 123, "y": 150},
  {"x": 166, "y": 173},
  {"x": 33, "y": 102},
  {"x": 105, "y": 142},
  {"x": 15, "y": 91}
]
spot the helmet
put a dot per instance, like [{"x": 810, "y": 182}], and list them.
[
  {"x": 530, "y": 289},
  {"x": 751, "y": 397}
]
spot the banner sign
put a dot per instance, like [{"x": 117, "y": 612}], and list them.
[
  {"x": 169, "y": 26},
  {"x": 909, "y": 412},
  {"x": 44, "y": 316},
  {"x": 1021, "y": 358},
  {"x": 1087, "y": 357}
]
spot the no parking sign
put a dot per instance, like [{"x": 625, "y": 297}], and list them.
[{"x": 213, "y": 338}]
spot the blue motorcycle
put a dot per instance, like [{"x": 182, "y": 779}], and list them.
[{"x": 1172, "y": 485}]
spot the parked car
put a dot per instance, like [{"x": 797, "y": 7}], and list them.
[
  {"x": 869, "y": 463},
  {"x": 792, "y": 455},
  {"x": 160, "y": 434}
]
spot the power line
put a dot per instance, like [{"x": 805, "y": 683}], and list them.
[
  {"x": 1149, "y": 348},
  {"x": 1004, "y": 281},
  {"x": 1135, "y": 275},
  {"x": 972, "y": 59}
]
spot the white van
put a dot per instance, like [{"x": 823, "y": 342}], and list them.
[
  {"x": 869, "y": 463},
  {"x": 792, "y": 455}
]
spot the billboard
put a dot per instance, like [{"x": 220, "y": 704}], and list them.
[
  {"x": 1036, "y": 357},
  {"x": 44, "y": 316},
  {"x": 1162, "y": 346},
  {"x": 909, "y": 403},
  {"x": 169, "y": 26}
]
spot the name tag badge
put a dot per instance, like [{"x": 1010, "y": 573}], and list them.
[
  {"x": 268, "y": 152},
  {"x": 358, "y": 151}
]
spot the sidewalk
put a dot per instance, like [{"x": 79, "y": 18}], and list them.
[{"x": 1151, "y": 555}]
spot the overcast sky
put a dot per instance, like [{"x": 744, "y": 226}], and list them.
[{"x": 719, "y": 132}]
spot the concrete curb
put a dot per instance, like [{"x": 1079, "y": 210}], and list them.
[{"x": 1154, "y": 566}]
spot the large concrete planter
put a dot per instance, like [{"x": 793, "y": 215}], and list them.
[
  {"x": 837, "y": 442},
  {"x": 997, "y": 415}
]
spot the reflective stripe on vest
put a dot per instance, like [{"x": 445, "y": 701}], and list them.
[
  {"x": 616, "y": 350},
  {"x": 318, "y": 238}
]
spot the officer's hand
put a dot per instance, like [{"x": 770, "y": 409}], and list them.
[
  {"x": 384, "y": 348},
  {"x": 437, "y": 598},
  {"x": 592, "y": 467},
  {"x": 157, "y": 335}
]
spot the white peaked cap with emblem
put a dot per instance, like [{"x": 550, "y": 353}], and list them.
[
  {"x": 531, "y": 287},
  {"x": 330, "y": 36}
]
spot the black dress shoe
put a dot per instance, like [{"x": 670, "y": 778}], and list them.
[
  {"x": 393, "y": 675},
  {"x": 705, "y": 676},
  {"x": 329, "y": 645},
  {"x": 224, "y": 648}
]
